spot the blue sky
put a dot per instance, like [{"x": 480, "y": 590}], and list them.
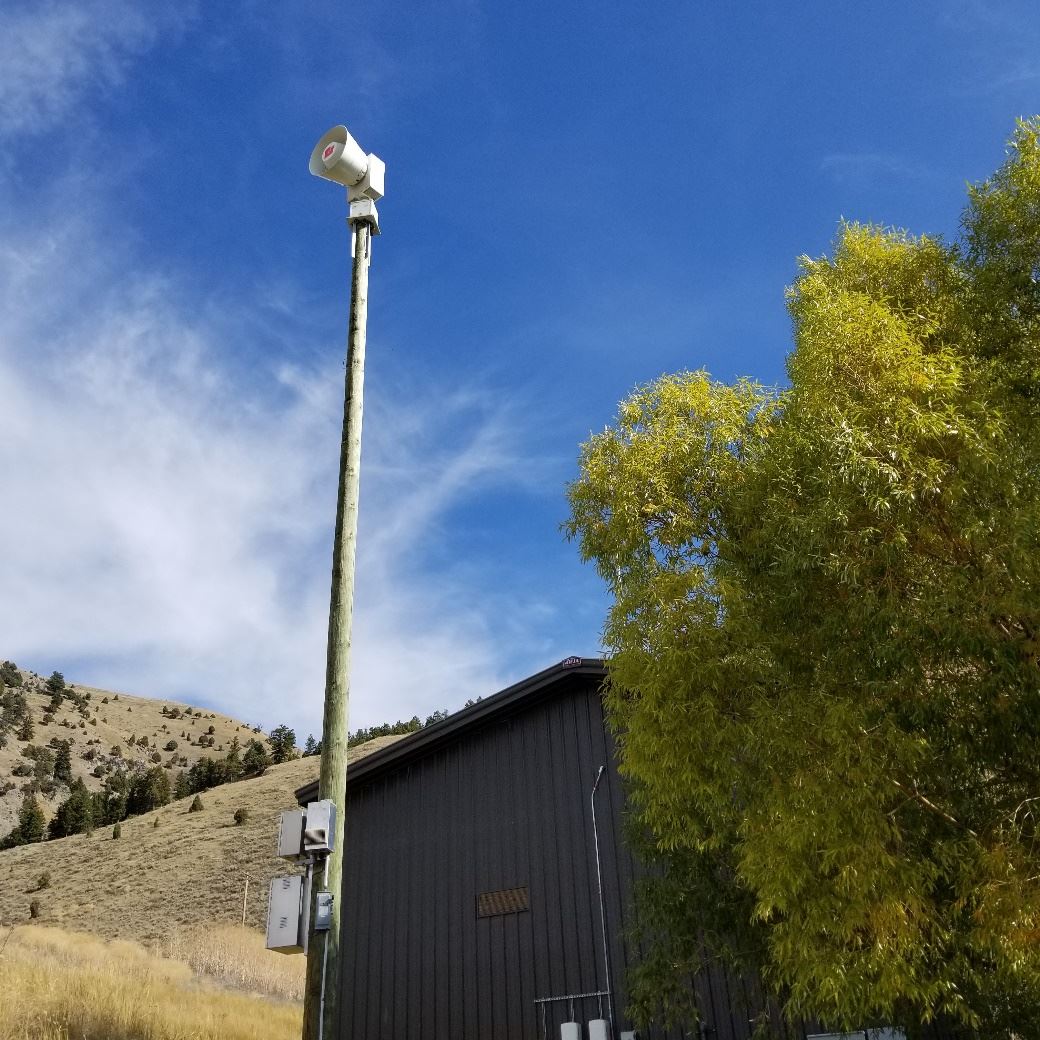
[{"x": 580, "y": 197}]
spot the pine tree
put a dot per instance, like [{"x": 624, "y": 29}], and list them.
[
  {"x": 31, "y": 820},
  {"x": 255, "y": 760},
  {"x": 28, "y": 728},
  {"x": 75, "y": 815},
  {"x": 63, "y": 763},
  {"x": 283, "y": 744}
]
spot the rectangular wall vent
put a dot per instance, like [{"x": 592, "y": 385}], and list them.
[{"x": 506, "y": 901}]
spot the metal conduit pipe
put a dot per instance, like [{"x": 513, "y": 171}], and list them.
[{"x": 602, "y": 904}]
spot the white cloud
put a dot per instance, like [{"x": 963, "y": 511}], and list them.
[
  {"x": 53, "y": 53},
  {"x": 166, "y": 514}
]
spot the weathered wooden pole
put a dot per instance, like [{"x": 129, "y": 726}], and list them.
[{"x": 320, "y": 1012}]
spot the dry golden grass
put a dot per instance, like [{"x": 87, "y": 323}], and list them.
[
  {"x": 237, "y": 957},
  {"x": 55, "y": 985}
]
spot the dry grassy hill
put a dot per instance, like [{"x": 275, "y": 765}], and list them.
[
  {"x": 113, "y": 720},
  {"x": 189, "y": 870}
]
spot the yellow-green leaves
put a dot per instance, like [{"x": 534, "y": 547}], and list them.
[{"x": 826, "y": 633}]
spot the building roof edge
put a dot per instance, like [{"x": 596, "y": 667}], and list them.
[{"x": 500, "y": 703}]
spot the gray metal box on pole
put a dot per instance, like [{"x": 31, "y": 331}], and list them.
[
  {"x": 319, "y": 828},
  {"x": 283, "y": 915},
  {"x": 290, "y": 834}
]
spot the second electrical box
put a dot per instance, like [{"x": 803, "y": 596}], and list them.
[
  {"x": 290, "y": 834},
  {"x": 320, "y": 826},
  {"x": 283, "y": 915}
]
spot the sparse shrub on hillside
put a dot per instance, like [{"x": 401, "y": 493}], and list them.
[
  {"x": 241, "y": 815},
  {"x": 9, "y": 674},
  {"x": 93, "y": 721},
  {"x": 196, "y": 805},
  {"x": 98, "y": 771},
  {"x": 116, "y": 751},
  {"x": 117, "y": 832},
  {"x": 155, "y": 822},
  {"x": 48, "y": 718},
  {"x": 212, "y": 729},
  {"x": 43, "y": 881},
  {"x": 104, "y": 700},
  {"x": 35, "y": 909},
  {"x": 155, "y": 757}
]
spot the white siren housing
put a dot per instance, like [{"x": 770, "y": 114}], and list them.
[{"x": 338, "y": 157}]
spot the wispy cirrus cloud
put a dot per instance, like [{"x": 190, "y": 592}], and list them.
[
  {"x": 167, "y": 520},
  {"x": 53, "y": 53},
  {"x": 849, "y": 167}
]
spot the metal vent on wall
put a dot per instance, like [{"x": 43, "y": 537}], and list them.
[{"x": 505, "y": 901}]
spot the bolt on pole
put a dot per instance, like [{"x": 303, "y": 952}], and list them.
[{"x": 320, "y": 1015}]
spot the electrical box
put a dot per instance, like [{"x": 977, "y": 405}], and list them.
[
  {"x": 283, "y": 915},
  {"x": 570, "y": 1030},
  {"x": 290, "y": 834},
  {"x": 599, "y": 1029},
  {"x": 629, "y": 1034},
  {"x": 323, "y": 912},
  {"x": 320, "y": 826}
]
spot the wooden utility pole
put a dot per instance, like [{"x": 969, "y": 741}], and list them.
[{"x": 320, "y": 1012}]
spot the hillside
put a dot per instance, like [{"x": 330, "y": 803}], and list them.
[
  {"x": 154, "y": 880},
  {"x": 140, "y": 727}
]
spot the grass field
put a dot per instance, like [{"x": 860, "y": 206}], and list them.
[{"x": 57, "y": 985}]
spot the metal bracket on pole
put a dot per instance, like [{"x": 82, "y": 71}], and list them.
[{"x": 364, "y": 211}]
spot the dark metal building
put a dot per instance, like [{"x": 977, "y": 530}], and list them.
[{"x": 470, "y": 877}]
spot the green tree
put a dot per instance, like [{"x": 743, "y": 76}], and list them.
[
  {"x": 148, "y": 790},
  {"x": 233, "y": 760},
  {"x": 283, "y": 744},
  {"x": 75, "y": 815},
  {"x": 207, "y": 773},
  {"x": 255, "y": 759},
  {"x": 56, "y": 683},
  {"x": 63, "y": 762},
  {"x": 825, "y": 634},
  {"x": 9, "y": 674},
  {"x": 28, "y": 728},
  {"x": 181, "y": 788},
  {"x": 310, "y": 746},
  {"x": 31, "y": 821}
]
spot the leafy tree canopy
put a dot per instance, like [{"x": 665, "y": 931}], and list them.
[{"x": 825, "y": 632}]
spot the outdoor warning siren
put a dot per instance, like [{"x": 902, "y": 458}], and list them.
[{"x": 338, "y": 157}]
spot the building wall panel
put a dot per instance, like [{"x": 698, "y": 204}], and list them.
[{"x": 501, "y": 805}]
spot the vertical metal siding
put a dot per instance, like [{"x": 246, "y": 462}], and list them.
[{"x": 499, "y": 806}]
